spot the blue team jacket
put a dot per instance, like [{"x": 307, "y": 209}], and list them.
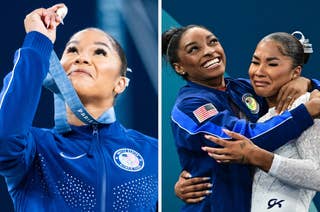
[
  {"x": 201, "y": 110},
  {"x": 91, "y": 168}
]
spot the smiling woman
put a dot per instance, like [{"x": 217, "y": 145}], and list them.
[
  {"x": 96, "y": 66},
  {"x": 92, "y": 167}
]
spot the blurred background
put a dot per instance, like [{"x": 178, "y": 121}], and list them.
[
  {"x": 133, "y": 23},
  {"x": 239, "y": 25}
]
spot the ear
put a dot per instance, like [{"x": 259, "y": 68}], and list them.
[
  {"x": 179, "y": 69},
  {"x": 296, "y": 72},
  {"x": 120, "y": 85}
]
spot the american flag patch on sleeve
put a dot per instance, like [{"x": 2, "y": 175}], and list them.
[{"x": 204, "y": 112}]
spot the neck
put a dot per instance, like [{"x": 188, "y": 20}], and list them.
[
  {"x": 272, "y": 101},
  {"x": 216, "y": 83},
  {"x": 95, "y": 111}
]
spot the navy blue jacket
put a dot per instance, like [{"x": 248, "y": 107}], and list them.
[{"x": 202, "y": 110}]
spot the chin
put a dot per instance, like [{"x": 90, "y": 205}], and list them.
[
  {"x": 262, "y": 93},
  {"x": 217, "y": 73}
]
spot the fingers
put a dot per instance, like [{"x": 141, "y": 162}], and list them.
[
  {"x": 197, "y": 184},
  {"x": 216, "y": 140},
  {"x": 226, "y": 143},
  {"x": 53, "y": 21},
  {"x": 33, "y": 21},
  {"x": 50, "y": 18},
  {"x": 315, "y": 94},
  {"x": 218, "y": 151},
  {"x": 195, "y": 197},
  {"x": 185, "y": 174},
  {"x": 234, "y": 135},
  {"x": 56, "y": 7},
  {"x": 193, "y": 190},
  {"x": 57, "y": 18},
  {"x": 286, "y": 101},
  {"x": 221, "y": 157}
]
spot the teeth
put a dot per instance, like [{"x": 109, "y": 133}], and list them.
[{"x": 211, "y": 62}]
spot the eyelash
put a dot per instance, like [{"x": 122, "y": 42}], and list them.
[
  {"x": 211, "y": 42},
  {"x": 270, "y": 64},
  {"x": 100, "y": 51},
  {"x": 72, "y": 49},
  {"x": 214, "y": 41},
  {"x": 192, "y": 49}
]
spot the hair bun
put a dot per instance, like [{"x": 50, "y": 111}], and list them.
[{"x": 307, "y": 47}]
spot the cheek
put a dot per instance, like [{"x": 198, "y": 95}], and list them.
[
  {"x": 251, "y": 71},
  {"x": 109, "y": 76},
  {"x": 280, "y": 78},
  {"x": 188, "y": 60},
  {"x": 65, "y": 63},
  {"x": 221, "y": 50}
]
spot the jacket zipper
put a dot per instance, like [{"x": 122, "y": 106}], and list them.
[{"x": 102, "y": 166}]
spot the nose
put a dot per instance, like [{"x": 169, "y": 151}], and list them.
[
  {"x": 82, "y": 59},
  {"x": 209, "y": 50},
  {"x": 259, "y": 70}
]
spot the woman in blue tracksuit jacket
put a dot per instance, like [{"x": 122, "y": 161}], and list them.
[
  {"x": 207, "y": 104},
  {"x": 91, "y": 168}
]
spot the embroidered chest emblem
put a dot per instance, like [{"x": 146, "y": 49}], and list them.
[
  {"x": 128, "y": 159},
  {"x": 251, "y": 103}
]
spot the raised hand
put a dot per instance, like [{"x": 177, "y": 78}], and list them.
[{"x": 44, "y": 21}]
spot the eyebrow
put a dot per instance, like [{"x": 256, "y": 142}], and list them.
[
  {"x": 192, "y": 43},
  {"x": 103, "y": 44},
  {"x": 268, "y": 59},
  {"x": 189, "y": 44},
  {"x": 96, "y": 43}
]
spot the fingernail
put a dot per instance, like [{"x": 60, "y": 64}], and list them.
[
  {"x": 207, "y": 136},
  {"x": 189, "y": 176},
  {"x": 208, "y": 191},
  {"x": 202, "y": 198},
  {"x": 225, "y": 130},
  {"x": 206, "y": 178},
  {"x": 209, "y": 185}
]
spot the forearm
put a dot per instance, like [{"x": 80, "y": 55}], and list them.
[
  {"x": 260, "y": 158},
  {"x": 20, "y": 96},
  {"x": 304, "y": 172},
  {"x": 298, "y": 172}
]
